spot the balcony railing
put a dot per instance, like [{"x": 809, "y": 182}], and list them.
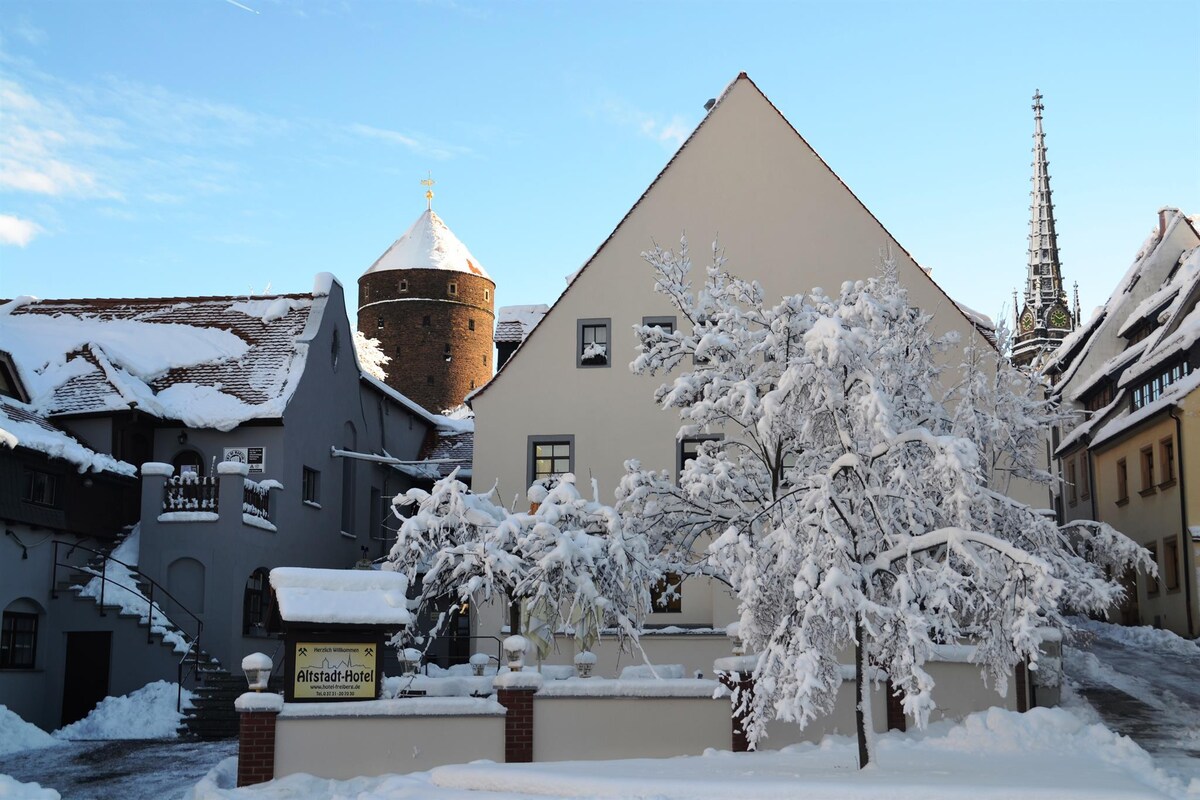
[{"x": 190, "y": 492}]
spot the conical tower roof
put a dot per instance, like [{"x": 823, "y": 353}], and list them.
[{"x": 428, "y": 244}]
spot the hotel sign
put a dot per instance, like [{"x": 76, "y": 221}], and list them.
[{"x": 334, "y": 670}]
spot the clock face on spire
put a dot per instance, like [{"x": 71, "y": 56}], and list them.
[
  {"x": 1059, "y": 318},
  {"x": 1027, "y": 321}
]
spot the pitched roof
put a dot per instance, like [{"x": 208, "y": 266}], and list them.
[
  {"x": 449, "y": 450},
  {"x": 714, "y": 109},
  {"x": 205, "y": 361},
  {"x": 428, "y": 244},
  {"x": 514, "y": 323},
  {"x": 21, "y": 426}
]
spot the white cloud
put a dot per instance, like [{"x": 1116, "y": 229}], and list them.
[
  {"x": 670, "y": 132},
  {"x": 16, "y": 231},
  {"x": 416, "y": 145}
]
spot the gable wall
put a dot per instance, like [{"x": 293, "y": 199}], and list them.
[{"x": 782, "y": 218}]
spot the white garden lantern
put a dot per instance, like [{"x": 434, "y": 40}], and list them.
[
  {"x": 257, "y": 667},
  {"x": 410, "y": 660},
  {"x": 514, "y": 651},
  {"x": 479, "y": 662},
  {"x": 585, "y": 662}
]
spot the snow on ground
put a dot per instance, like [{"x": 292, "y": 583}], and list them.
[
  {"x": 16, "y": 735},
  {"x": 148, "y": 713},
  {"x": 1046, "y": 753},
  {"x": 123, "y": 770},
  {"x": 12, "y": 789},
  {"x": 1141, "y": 682}
]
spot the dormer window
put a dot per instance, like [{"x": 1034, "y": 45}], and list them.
[{"x": 10, "y": 382}]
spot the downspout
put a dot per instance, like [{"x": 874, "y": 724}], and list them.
[{"x": 1189, "y": 561}]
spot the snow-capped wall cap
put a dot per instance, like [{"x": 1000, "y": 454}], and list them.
[
  {"x": 742, "y": 664},
  {"x": 233, "y": 468},
  {"x": 259, "y": 701},
  {"x": 323, "y": 284},
  {"x": 256, "y": 661},
  {"x": 518, "y": 680},
  {"x": 341, "y": 596},
  {"x": 428, "y": 244},
  {"x": 270, "y": 484},
  {"x": 157, "y": 468}
]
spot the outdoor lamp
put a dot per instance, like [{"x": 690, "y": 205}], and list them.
[
  {"x": 733, "y": 632},
  {"x": 257, "y": 667},
  {"x": 514, "y": 650}
]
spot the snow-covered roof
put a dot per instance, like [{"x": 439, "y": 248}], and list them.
[
  {"x": 514, "y": 323},
  {"x": 341, "y": 596},
  {"x": 428, "y": 244},
  {"x": 209, "y": 362},
  {"x": 21, "y": 426},
  {"x": 449, "y": 450},
  {"x": 440, "y": 421},
  {"x": 1168, "y": 296}
]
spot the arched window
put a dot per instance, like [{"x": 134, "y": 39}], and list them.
[
  {"x": 260, "y": 616},
  {"x": 18, "y": 634},
  {"x": 188, "y": 462}
]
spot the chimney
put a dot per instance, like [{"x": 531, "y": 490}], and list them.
[{"x": 1164, "y": 214}]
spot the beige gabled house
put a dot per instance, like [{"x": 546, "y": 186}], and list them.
[
  {"x": 1132, "y": 459},
  {"x": 566, "y": 400}
]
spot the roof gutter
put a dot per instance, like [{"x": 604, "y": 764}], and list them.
[{"x": 1185, "y": 539}]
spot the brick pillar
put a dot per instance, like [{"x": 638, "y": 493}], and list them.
[
  {"x": 256, "y": 740},
  {"x": 518, "y": 723}
]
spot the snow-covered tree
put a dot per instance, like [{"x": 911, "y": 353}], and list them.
[
  {"x": 568, "y": 561},
  {"x": 371, "y": 358},
  {"x": 844, "y": 507}
]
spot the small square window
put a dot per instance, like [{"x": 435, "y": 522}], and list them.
[
  {"x": 426, "y": 321},
  {"x": 18, "y": 640},
  {"x": 470, "y": 324},
  {"x": 666, "y": 323},
  {"x": 592, "y": 343},
  {"x": 487, "y": 294},
  {"x": 41, "y": 488},
  {"x": 688, "y": 449},
  {"x": 452, "y": 289},
  {"x": 311, "y": 486},
  {"x": 429, "y": 379},
  {"x": 380, "y": 323},
  {"x": 403, "y": 287},
  {"x": 550, "y": 456},
  {"x": 666, "y": 596}
]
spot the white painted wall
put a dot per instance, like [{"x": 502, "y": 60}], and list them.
[
  {"x": 593, "y": 728},
  {"x": 346, "y": 747}
]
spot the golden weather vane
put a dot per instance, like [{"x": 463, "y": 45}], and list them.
[{"x": 428, "y": 184}]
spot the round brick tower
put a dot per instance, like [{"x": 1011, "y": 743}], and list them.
[{"x": 431, "y": 306}]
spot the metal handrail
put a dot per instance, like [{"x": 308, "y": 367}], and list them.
[{"x": 193, "y": 641}]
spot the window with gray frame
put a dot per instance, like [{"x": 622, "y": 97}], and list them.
[
  {"x": 550, "y": 456},
  {"x": 18, "y": 640},
  {"x": 666, "y": 323},
  {"x": 41, "y": 488},
  {"x": 688, "y": 448},
  {"x": 311, "y": 487},
  {"x": 593, "y": 341}
]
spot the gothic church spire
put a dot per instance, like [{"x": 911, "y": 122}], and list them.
[{"x": 1045, "y": 318}]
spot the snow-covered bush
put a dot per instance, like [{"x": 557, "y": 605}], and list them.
[
  {"x": 847, "y": 507},
  {"x": 371, "y": 358}
]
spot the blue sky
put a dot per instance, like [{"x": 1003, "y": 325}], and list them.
[{"x": 218, "y": 147}]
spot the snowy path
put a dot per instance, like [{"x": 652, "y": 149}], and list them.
[
  {"x": 1145, "y": 684},
  {"x": 120, "y": 770}
]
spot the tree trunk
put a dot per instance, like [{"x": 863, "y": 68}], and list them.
[{"x": 861, "y": 691}]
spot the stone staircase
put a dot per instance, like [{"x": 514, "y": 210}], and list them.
[{"x": 212, "y": 715}]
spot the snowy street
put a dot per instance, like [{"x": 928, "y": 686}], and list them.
[
  {"x": 118, "y": 770},
  {"x": 1143, "y": 683}
]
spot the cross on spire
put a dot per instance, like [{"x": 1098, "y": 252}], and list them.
[{"x": 428, "y": 184}]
